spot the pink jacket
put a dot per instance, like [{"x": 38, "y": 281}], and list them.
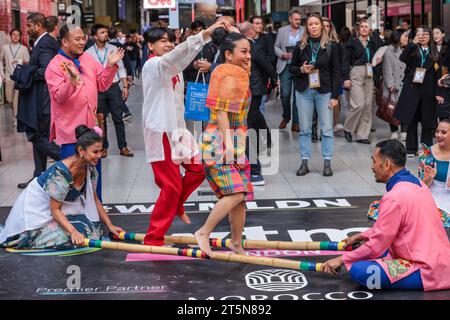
[
  {"x": 409, "y": 226},
  {"x": 72, "y": 106}
]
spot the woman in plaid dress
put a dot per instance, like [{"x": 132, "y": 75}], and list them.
[{"x": 226, "y": 166}]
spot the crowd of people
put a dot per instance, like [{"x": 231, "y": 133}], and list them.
[{"x": 67, "y": 90}]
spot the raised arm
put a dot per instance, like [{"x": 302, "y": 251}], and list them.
[
  {"x": 59, "y": 83},
  {"x": 105, "y": 76},
  {"x": 407, "y": 53},
  {"x": 179, "y": 58}
]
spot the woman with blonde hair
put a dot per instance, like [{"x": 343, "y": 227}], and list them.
[
  {"x": 358, "y": 78},
  {"x": 315, "y": 65}
]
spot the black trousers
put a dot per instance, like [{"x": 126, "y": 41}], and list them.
[
  {"x": 42, "y": 148},
  {"x": 256, "y": 121},
  {"x": 412, "y": 143},
  {"x": 111, "y": 102}
]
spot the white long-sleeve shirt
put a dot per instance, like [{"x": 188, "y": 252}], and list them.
[{"x": 163, "y": 106}]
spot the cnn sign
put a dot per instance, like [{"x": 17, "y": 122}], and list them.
[{"x": 160, "y": 4}]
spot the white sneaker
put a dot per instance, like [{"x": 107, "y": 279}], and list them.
[
  {"x": 403, "y": 136},
  {"x": 394, "y": 135},
  {"x": 338, "y": 128}
]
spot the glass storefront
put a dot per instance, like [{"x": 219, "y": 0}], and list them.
[{"x": 390, "y": 13}]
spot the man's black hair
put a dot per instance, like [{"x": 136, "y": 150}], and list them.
[
  {"x": 198, "y": 24},
  {"x": 112, "y": 33},
  {"x": 394, "y": 150},
  {"x": 155, "y": 34},
  {"x": 38, "y": 18},
  {"x": 52, "y": 23},
  {"x": 97, "y": 27}
]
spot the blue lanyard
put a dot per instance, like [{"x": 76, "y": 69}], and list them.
[
  {"x": 423, "y": 57},
  {"x": 14, "y": 54},
  {"x": 102, "y": 61},
  {"x": 314, "y": 51},
  {"x": 367, "y": 49},
  {"x": 74, "y": 60}
]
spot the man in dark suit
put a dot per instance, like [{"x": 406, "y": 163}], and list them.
[{"x": 44, "y": 49}]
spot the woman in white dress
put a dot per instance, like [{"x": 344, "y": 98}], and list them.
[{"x": 60, "y": 208}]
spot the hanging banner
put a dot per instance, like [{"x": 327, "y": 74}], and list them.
[
  {"x": 160, "y": 4},
  {"x": 174, "y": 17}
]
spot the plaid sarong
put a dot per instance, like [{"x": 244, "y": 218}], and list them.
[{"x": 228, "y": 92}]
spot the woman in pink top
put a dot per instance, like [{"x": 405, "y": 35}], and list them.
[{"x": 408, "y": 230}]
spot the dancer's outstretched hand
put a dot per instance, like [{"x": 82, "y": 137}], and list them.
[{"x": 219, "y": 24}]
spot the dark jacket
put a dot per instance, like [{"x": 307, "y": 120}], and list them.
[
  {"x": 355, "y": 54},
  {"x": 327, "y": 63},
  {"x": 23, "y": 77},
  {"x": 262, "y": 69},
  {"x": 37, "y": 97},
  {"x": 208, "y": 52},
  {"x": 265, "y": 44},
  {"x": 415, "y": 95},
  {"x": 28, "y": 117}
]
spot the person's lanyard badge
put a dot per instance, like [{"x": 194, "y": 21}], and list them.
[
  {"x": 419, "y": 75},
  {"x": 369, "y": 68},
  {"x": 314, "y": 77}
]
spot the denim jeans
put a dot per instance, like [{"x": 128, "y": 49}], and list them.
[
  {"x": 286, "y": 84},
  {"x": 307, "y": 101}
]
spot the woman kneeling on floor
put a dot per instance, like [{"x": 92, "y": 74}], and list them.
[{"x": 60, "y": 208}]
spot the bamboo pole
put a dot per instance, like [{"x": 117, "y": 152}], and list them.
[
  {"x": 248, "y": 244},
  {"x": 197, "y": 253}
]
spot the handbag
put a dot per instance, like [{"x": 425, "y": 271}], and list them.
[
  {"x": 195, "y": 106},
  {"x": 386, "y": 110}
]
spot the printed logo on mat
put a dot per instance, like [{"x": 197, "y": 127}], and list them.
[{"x": 276, "y": 280}]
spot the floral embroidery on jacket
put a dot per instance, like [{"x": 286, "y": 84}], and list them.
[{"x": 397, "y": 267}]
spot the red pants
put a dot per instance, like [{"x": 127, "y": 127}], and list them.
[{"x": 174, "y": 192}]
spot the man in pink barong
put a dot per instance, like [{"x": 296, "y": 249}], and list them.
[
  {"x": 74, "y": 79},
  {"x": 407, "y": 247}
]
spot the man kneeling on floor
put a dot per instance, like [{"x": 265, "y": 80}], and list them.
[{"x": 407, "y": 248}]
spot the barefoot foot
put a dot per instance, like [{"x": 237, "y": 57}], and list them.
[
  {"x": 203, "y": 242},
  {"x": 238, "y": 249},
  {"x": 185, "y": 218}
]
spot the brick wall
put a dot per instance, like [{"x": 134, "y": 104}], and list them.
[{"x": 26, "y": 6}]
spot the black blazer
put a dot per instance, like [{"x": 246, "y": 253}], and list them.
[
  {"x": 265, "y": 44},
  {"x": 262, "y": 69},
  {"x": 41, "y": 55},
  {"x": 355, "y": 54},
  {"x": 327, "y": 63},
  {"x": 413, "y": 93}
]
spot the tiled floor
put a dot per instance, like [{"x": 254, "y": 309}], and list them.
[{"x": 130, "y": 180}]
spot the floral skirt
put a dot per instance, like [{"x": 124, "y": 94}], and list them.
[{"x": 53, "y": 236}]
